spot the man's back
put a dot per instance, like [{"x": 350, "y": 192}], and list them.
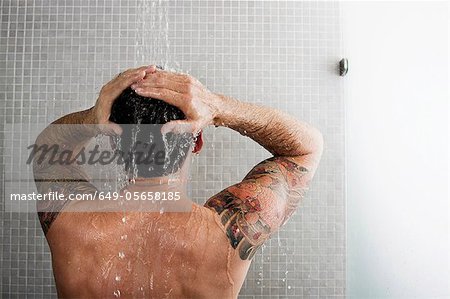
[
  {"x": 205, "y": 252},
  {"x": 144, "y": 254}
]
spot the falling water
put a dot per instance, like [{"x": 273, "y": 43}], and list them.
[
  {"x": 152, "y": 47},
  {"x": 152, "y": 38},
  {"x": 135, "y": 130}
]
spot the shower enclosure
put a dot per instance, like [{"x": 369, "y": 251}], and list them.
[{"x": 55, "y": 56}]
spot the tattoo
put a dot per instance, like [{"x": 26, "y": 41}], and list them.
[
  {"x": 251, "y": 211},
  {"x": 46, "y": 219},
  {"x": 239, "y": 232},
  {"x": 49, "y": 210}
]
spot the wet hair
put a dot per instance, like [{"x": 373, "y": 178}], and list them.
[{"x": 141, "y": 119}]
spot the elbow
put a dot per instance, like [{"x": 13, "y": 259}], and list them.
[
  {"x": 318, "y": 142},
  {"x": 315, "y": 143}
]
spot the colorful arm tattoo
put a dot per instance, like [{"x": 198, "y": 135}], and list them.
[{"x": 251, "y": 211}]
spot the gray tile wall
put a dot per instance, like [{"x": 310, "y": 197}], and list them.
[{"x": 56, "y": 54}]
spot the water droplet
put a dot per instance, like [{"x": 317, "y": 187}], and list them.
[
  {"x": 289, "y": 287},
  {"x": 121, "y": 255},
  {"x": 118, "y": 278},
  {"x": 124, "y": 219},
  {"x": 172, "y": 180},
  {"x": 117, "y": 293},
  {"x": 123, "y": 237}
]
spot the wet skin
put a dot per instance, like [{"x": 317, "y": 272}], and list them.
[
  {"x": 151, "y": 255},
  {"x": 196, "y": 254},
  {"x": 205, "y": 253}
]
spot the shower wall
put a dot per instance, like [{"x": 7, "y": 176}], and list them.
[{"x": 55, "y": 56}]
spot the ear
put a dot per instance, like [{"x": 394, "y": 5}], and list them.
[
  {"x": 198, "y": 143},
  {"x": 112, "y": 143}
]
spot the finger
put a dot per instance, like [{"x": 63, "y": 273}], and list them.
[
  {"x": 117, "y": 129},
  {"x": 147, "y": 68},
  {"x": 151, "y": 69},
  {"x": 115, "y": 87},
  {"x": 110, "y": 129},
  {"x": 169, "y": 96},
  {"x": 179, "y": 77},
  {"x": 152, "y": 81},
  {"x": 179, "y": 127},
  {"x": 130, "y": 76}
]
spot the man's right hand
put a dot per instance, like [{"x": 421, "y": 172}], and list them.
[{"x": 199, "y": 105}]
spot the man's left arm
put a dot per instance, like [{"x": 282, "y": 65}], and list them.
[{"x": 67, "y": 136}]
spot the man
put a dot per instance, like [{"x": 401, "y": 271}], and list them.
[{"x": 194, "y": 251}]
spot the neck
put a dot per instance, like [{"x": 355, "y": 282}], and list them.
[
  {"x": 168, "y": 194},
  {"x": 174, "y": 183}
]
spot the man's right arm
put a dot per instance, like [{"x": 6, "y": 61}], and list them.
[
  {"x": 278, "y": 132},
  {"x": 253, "y": 209}
]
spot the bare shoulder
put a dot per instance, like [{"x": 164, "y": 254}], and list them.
[{"x": 252, "y": 210}]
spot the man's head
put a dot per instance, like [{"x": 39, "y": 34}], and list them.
[{"x": 152, "y": 154}]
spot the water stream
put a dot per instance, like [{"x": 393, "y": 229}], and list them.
[{"x": 152, "y": 47}]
